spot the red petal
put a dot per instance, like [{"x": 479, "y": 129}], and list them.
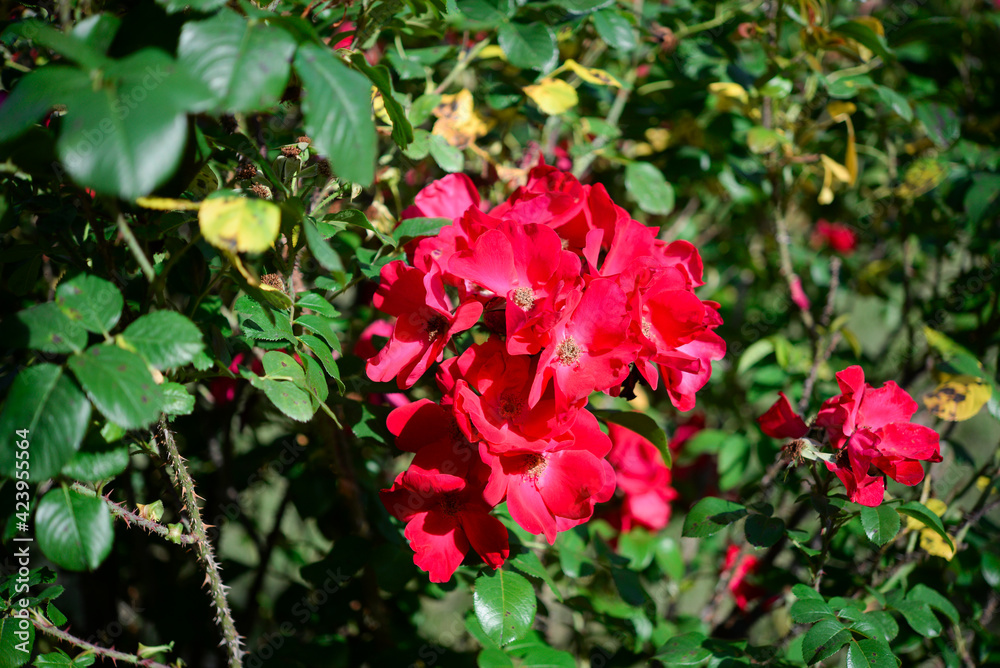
[{"x": 781, "y": 421}]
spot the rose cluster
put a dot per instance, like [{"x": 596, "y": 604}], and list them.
[
  {"x": 871, "y": 432},
  {"x": 569, "y": 295}
]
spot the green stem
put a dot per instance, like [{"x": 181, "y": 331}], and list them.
[
  {"x": 114, "y": 655},
  {"x": 463, "y": 63},
  {"x": 131, "y": 518},
  {"x": 223, "y": 615},
  {"x": 137, "y": 252}
]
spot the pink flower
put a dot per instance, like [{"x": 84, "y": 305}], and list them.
[
  {"x": 448, "y": 197},
  {"x": 781, "y": 421},
  {"x": 554, "y": 490},
  {"x": 872, "y": 428},
  {"x": 445, "y": 513},
  {"x": 798, "y": 294},
  {"x": 588, "y": 347},
  {"x": 424, "y": 323},
  {"x": 643, "y": 479}
]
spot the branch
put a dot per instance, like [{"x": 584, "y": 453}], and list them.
[
  {"x": 130, "y": 518},
  {"x": 223, "y": 615},
  {"x": 136, "y": 248},
  {"x": 44, "y": 626}
]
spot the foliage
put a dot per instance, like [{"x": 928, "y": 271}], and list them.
[{"x": 205, "y": 205}]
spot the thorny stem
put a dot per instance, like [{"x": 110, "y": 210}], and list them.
[
  {"x": 47, "y": 628},
  {"x": 131, "y": 518},
  {"x": 224, "y": 616}
]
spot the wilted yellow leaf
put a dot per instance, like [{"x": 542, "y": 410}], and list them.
[
  {"x": 167, "y": 204},
  {"x": 591, "y": 74},
  {"x": 239, "y": 224},
  {"x": 831, "y": 170},
  {"x": 935, "y": 545},
  {"x": 204, "y": 183},
  {"x": 458, "y": 121},
  {"x": 958, "y": 398},
  {"x": 840, "y": 107},
  {"x": 658, "y": 138},
  {"x": 553, "y": 96},
  {"x": 872, "y": 22}
]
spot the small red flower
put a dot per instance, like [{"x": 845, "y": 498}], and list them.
[
  {"x": 837, "y": 236},
  {"x": 643, "y": 479}
]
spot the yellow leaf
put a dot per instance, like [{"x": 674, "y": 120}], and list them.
[
  {"x": 204, "y": 183},
  {"x": 851, "y": 158},
  {"x": 457, "y": 120},
  {"x": 167, "y": 204},
  {"x": 378, "y": 106},
  {"x": 591, "y": 74},
  {"x": 730, "y": 95},
  {"x": 658, "y": 138},
  {"x": 239, "y": 224},
  {"x": 935, "y": 545},
  {"x": 921, "y": 176},
  {"x": 958, "y": 398},
  {"x": 982, "y": 482},
  {"x": 492, "y": 51},
  {"x": 840, "y": 107},
  {"x": 872, "y": 22},
  {"x": 831, "y": 170},
  {"x": 553, "y": 96}
]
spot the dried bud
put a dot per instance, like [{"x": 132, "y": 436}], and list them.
[
  {"x": 290, "y": 151},
  {"x": 665, "y": 37},
  {"x": 261, "y": 191},
  {"x": 246, "y": 171},
  {"x": 303, "y": 140},
  {"x": 323, "y": 167},
  {"x": 274, "y": 281}
]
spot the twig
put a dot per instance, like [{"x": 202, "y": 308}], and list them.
[
  {"x": 831, "y": 296},
  {"x": 100, "y": 652},
  {"x": 224, "y": 616},
  {"x": 814, "y": 371},
  {"x": 133, "y": 245},
  {"x": 130, "y": 518}
]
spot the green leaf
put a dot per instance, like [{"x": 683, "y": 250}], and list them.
[
  {"x": 824, "y": 640},
  {"x": 412, "y": 228},
  {"x": 97, "y": 461},
  {"x": 320, "y": 249},
  {"x": 53, "y": 660},
  {"x": 284, "y": 366},
  {"x": 505, "y": 605},
  {"x": 870, "y": 653},
  {"x": 448, "y": 158},
  {"x": 684, "y": 650},
  {"x": 119, "y": 384},
  {"x": 323, "y": 326},
  {"x": 922, "y": 513},
  {"x": 734, "y": 457},
  {"x": 44, "y": 327},
  {"x": 69, "y": 45},
  {"x": 202, "y": 6},
  {"x": 541, "y": 656},
  {"x": 316, "y": 302},
  {"x": 941, "y": 122},
  {"x": 584, "y": 6},
  {"x": 807, "y": 611},
  {"x": 639, "y": 547},
  {"x": 491, "y": 12},
  {"x": 865, "y": 36},
  {"x": 125, "y": 136},
  {"x": 338, "y": 113},
  {"x": 73, "y": 530},
  {"x": 641, "y": 424},
  {"x": 176, "y": 399},
  {"x": 896, "y": 101},
  {"x": 286, "y": 395},
  {"x": 51, "y": 408},
  {"x": 806, "y": 593},
  {"x": 530, "y": 46},
  {"x": 934, "y": 599},
  {"x": 94, "y": 303},
  {"x": 711, "y": 515},
  {"x": 646, "y": 185},
  {"x": 97, "y": 31},
  {"x": 35, "y": 94},
  {"x": 881, "y": 524},
  {"x": 763, "y": 531},
  {"x": 323, "y": 354},
  {"x": 12, "y": 656},
  {"x": 244, "y": 62},
  {"x": 528, "y": 563},
  {"x": 572, "y": 551},
  {"x": 920, "y": 618},
  {"x": 420, "y": 147},
  {"x": 261, "y": 322},
  {"x": 315, "y": 378},
  {"x": 615, "y": 29},
  {"x": 402, "y": 131},
  {"x": 165, "y": 339},
  {"x": 981, "y": 196},
  {"x": 494, "y": 658}
]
